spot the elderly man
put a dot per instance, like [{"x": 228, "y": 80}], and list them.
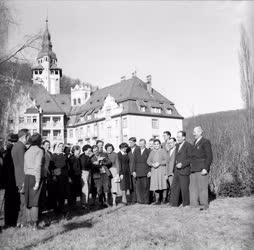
[
  {"x": 181, "y": 179},
  {"x": 200, "y": 165}
]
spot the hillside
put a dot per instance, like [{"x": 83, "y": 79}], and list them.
[{"x": 228, "y": 224}]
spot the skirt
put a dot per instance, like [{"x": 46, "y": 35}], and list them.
[
  {"x": 31, "y": 196},
  {"x": 125, "y": 183},
  {"x": 158, "y": 179},
  {"x": 115, "y": 181}
]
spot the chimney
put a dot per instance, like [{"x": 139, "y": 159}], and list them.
[
  {"x": 149, "y": 84},
  {"x": 123, "y": 78}
]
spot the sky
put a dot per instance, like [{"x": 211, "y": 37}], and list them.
[{"x": 189, "y": 47}]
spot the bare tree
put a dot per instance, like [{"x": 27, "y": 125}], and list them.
[{"x": 247, "y": 78}]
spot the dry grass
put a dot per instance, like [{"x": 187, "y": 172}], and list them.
[{"x": 228, "y": 224}]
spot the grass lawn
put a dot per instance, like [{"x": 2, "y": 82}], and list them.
[{"x": 228, "y": 224}]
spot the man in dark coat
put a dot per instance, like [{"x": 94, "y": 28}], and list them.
[
  {"x": 141, "y": 171},
  {"x": 18, "y": 152},
  {"x": 200, "y": 165},
  {"x": 11, "y": 195},
  {"x": 133, "y": 148},
  {"x": 181, "y": 179}
]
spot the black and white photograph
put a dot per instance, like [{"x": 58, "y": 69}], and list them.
[{"x": 126, "y": 124}]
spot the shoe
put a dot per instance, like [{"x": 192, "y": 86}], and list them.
[
  {"x": 203, "y": 208},
  {"x": 157, "y": 203}
]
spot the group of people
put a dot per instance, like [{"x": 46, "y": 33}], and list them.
[{"x": 37, "y": 178}]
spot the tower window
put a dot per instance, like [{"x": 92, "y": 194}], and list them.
[
  {"x": 74, "y": 102},
  {"x": 79, "y": 101}
]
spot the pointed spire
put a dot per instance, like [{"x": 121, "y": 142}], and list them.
[{"x": 46, "y": 46}]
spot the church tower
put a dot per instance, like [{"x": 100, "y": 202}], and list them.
[{"x": 46, "y": 72}]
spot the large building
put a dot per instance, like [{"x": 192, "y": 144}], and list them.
[{"x": 131, "y": 107}]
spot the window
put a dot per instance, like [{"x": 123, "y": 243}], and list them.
[
  {"x": 34, "y": 119},
  {"x": 76, "y": 132},
  {"x": 116, "y": 123},
  {"x": 86, "y": 95},
  {"x": 45, "y": 119},
  {"x": 89, "y": 117},
  {"x": 56, "y": 134},
  {"x": 125, "y": 122},
  {"x": 96, "y": 115},
  {"x": 109, "y": 132},
  {"x": 56, "y": 120},
  {"x": 155, "y": 123},
  {"x": 107, "y": 112},
  {"x": 74, "y": 102},
  {"x": 79, "y": 101},
  {"x": 28, "y": 119},
  {"x": 56, "y": 72},
  {"x": 52, "y": 72},
  {"x": 36, "y": 72},
  {"x": 95, "y": 130},
  {"x": 71, "y": 133},
  {"x": 169, "y": 111},
  {"x": 88, "y": 131},
  {"x": 21, "y": 119},
  {"x": 45, "y": 133},
  {"x": 156, "y": 110},
  {"x": 143, "y": 109}
]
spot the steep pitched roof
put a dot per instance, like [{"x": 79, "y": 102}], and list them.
[
  {"x": 131, "y": 93},
  {"x": 32, "y": 110},
  {"x": 59, "y": 104},
  {"x": 131, "y": 89}
]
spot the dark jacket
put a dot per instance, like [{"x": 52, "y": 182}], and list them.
[
  {"x": 183, "y": 156},
  {"x": 74, "y": 166},
  {"x": 140, "y": 165},
  {"x": 86, "y": 163},
  {"x": 131, "y": 158},
  {"x": 60, "y": 164},
  {"x": 202, "y": 155},
  {"x": 18, "y": 152},
  {"x": 105, "y": 163}
]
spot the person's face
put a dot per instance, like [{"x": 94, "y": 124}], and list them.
[
  {"x": 100, "y": 146},
  {"x": 197, "y": 133},
  {"x": 46, "y": 146},
  {"x": 95, "y": 150},
  {"x": 151, "y": 144},
  {"x": 60, "y": 148},
  {"x": 109, "y": 150},
  {"x": 171, "y": 144},
  {"x": 180, "y": 137},
  {"x": 142, "y": 144},
  {"x": 165, "y": 136},
  {"x": 157, "y": 145},
  {"x": 124, "y": 150},
  {"x": 88, "y": 152},
  {"x": 132, "y": 144},
  {"x": 77, "y": 152}
]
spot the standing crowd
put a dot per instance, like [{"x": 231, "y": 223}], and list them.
[{"x": 38, "y": 178}]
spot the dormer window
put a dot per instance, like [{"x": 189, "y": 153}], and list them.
[
  {"x": 89, "y": 117},
  {"x": 142, "y": 108},
  {"x": 79, "y": 101},
  {"x": 169, "y": 111},
  {"x": 156, "y": 110}
]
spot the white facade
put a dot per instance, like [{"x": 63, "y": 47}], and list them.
[
  {"x": 80, "y": 94},
  {"x": 115, "y": 128},
  {"x": 49, "y": 78},
  {"x": 52, "y": 128}
]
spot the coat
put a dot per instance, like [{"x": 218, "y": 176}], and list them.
[
  {"x": 140, "y": 165},
  {"x": 131, "y": 158},
  {"x": 202, "y": 155},
  {"x": 171, "y": 162},
  {"x": 183, "y": 156},
  {"x": 18, "y": 152}
]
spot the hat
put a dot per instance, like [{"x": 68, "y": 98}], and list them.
[{"x": 12, "y": 137}]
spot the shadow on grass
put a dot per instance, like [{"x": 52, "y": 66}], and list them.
[{"x": 67, "y": 228}]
